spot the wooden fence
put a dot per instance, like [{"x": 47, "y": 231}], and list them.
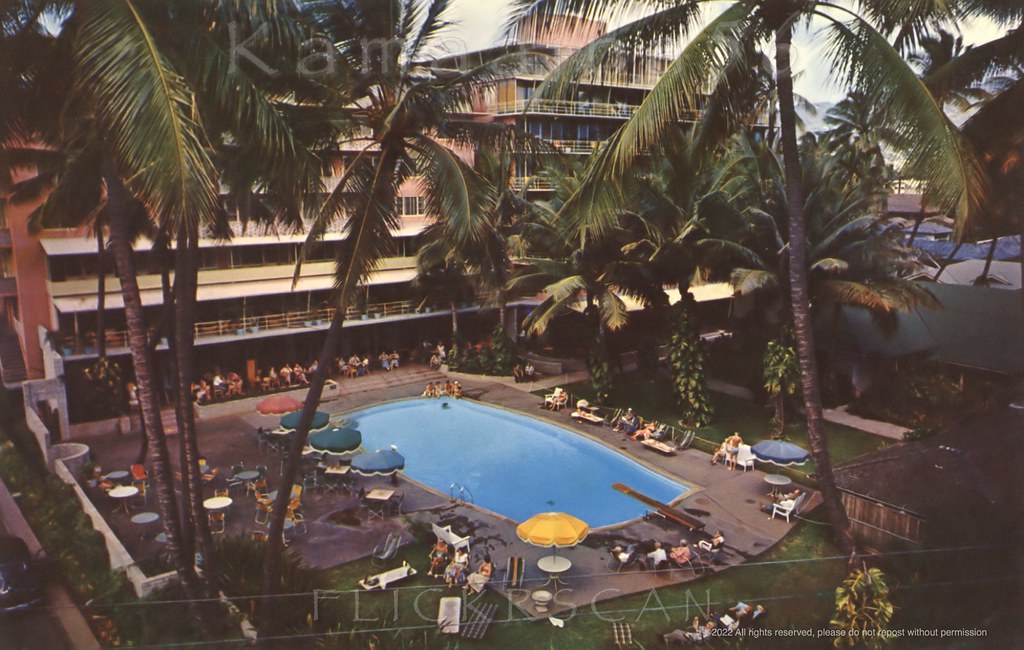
[{"x": 880, "y": 525}]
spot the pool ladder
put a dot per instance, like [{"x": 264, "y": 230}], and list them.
[{"x": 459, "y": 492}]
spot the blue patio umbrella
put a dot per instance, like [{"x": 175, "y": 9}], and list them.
[
  {"x": 291, "y": 421},
  {"x": 780, "y": 452},
  {"x": 337, "y": 440},
  {"x": 378, "y": 463}
]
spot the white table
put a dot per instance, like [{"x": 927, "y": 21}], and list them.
[
  {"x": 217, "y": 503},
  {"x": 777, "y": 482},
  {"x": 122, "y": 493},
  {"x": 248, "y": 475},
  {"x": 554, "y": 566},
  {"x": 117, "y": 475}
]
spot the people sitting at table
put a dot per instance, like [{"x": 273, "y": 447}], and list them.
[
  {"x": 455, "y": 573},
  {"x": 479, "y": 578},
  {"x": 657, "y": 558},
  {"x": 680, "y": 555},
  {"x": 438, "y": 559},
  {"x": 628, "y": 423}
]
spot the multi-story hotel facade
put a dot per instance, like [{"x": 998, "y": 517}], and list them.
[{"x": 250, "y": 315}]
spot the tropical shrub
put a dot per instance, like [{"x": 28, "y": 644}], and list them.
[
  {"x": 781, "y": 374},
  {"x": 863, "y": 609},
  {"x": 689, "y": 379}
]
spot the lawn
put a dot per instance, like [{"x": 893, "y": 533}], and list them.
[{"x": 789, "y": 580}]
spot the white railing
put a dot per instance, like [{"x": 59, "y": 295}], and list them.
[
  {"x": 576, "y": 146},
  {"x": 566, "y": 107}
]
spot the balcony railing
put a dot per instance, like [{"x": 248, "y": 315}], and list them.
[
  {"x": 566, "y": 107},
  {"x": 576, "y": 146},
  {"x": 296, "y": 320},
  {"x": 535, "y": 183}
]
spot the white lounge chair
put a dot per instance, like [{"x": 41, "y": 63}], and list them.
[
  {"x": 586, "y": 413},
  {"x": 449, "y": 611},
  {"x": 788, "y": 507},
  {"x": 453, "y": 540},
  {"x": 745, "y": 457}
]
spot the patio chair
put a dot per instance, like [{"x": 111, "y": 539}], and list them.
[
  {"x": 622, "y": 559},
  {"x": 263, "y": 509},
  {"x": 139, "y": 474},
  {"x": 298, "y": 521},
  {"x": 388, "y": 549},
  {"x": 233, "y": 480},
  {"x": 454, "y": 540},
  {"x": 449, "y": 614},
  {"x": 686, "y": 440},
  {"x": 788, "y": 507},
  {"x": 217, "y": 522},
  {"x": 745, "y": 457}
]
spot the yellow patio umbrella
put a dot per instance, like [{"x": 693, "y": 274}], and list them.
[{"x": 556, "y": 529}]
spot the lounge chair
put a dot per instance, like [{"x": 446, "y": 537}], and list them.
[
  {"x": 745, "y": 457},
  {"x": 476, "y": 626},
  {"x": 788, "y": 507},
  {"x": 622, "y": 633},
  {"x": 454, "y": 541},
  {"x": 449, "y": 613},
  {"x": 514, "y": 573},
  {"x": 586, "y": 413},
  {"x": 686, "y": 440},
  {"x": 388, "y": 549}
]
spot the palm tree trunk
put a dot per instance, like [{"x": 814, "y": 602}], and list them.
[
  {"x": 800, "y": 296},
  {"x": 101, "y": 294},
  {"x": 275, "y": 532},
  {"x": 185, "y": 281},
  {"x": 455, "y": 321},
  {"x": 159, "y": 462}
]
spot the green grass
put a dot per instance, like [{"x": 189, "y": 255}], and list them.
[{"x": 795, "y": 591}]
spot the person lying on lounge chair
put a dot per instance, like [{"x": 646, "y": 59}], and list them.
[{"x": 645, "y": 432}]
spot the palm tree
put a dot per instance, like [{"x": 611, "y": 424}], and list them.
[
  {"x": 400, "y": 117},
  {"x": 859, "y": 54}
]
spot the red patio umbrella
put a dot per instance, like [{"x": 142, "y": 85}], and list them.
[{"x": 278, "y": 405}]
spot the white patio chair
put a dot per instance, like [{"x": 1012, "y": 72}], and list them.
[{"x": 787, "y": 507}]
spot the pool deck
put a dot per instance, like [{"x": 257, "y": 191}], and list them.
[{"x": 339, "y": 531}]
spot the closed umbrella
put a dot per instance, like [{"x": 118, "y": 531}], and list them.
[
  {"x": 291, "y": 421},
  {"x": 336, "y": 440},
  {"x": 378, "y": 463},
  {"x": 780, "y": 452},
  {"x": 278, "y": 405}
]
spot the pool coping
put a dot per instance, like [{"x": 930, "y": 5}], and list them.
[{"x": 693, "y": 488}]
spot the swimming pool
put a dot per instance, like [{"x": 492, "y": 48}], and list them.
[{"x": 511, "y": 464}]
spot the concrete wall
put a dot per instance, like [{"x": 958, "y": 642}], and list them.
[
  {"x": 248, "y": 404},
  {"x": 120, "y": 559},
  {"x": 52, "y": 393}
]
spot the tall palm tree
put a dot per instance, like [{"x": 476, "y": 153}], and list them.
[
  {"x": 401, "y": 119},
  {"x": 859, "y": 54}
]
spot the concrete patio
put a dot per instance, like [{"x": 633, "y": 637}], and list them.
[{"x": 339, "y": 530}]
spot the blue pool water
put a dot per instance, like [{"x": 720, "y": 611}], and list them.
[{"x": 511, "y": 464}]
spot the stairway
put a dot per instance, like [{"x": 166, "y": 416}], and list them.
[{"x": 12, "y": 365}]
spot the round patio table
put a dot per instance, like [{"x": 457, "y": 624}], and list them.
[
  {"x": 117, "y": 475},
  {"x": 217, "y": 503},
  {"x": 554, "y": 566},
  {"x": 248, "y": 475},
  {"x": 144, "y": 519},
  {"x": 777, "y": 482},
  {"x": 122, "y": 493}
]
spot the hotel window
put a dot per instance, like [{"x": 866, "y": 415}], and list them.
[
  {"x": 6, "y": 268},
  {"x": 410, "y": 205}
]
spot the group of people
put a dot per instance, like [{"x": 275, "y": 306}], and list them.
[
  {"x": 455, "y": 570},
  {"x": 728, "y": 451},
  {"x": 359, "y": 365},
  {"x": 216, "y": 386},
  {"x": 660, "y": 557},
  {"x": 636, "y": 429},
  {"x": 524, "y": 373},
  {"x": 715, "y": 624},
  {"x": 447, "y": 389}
]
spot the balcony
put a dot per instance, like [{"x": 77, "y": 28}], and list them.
[
  {"x": 257, "y": 326},
  {"x": 535, "y": 184},
  {"x": 565, "y": 107},
  {"x": 576, "y": 146}
]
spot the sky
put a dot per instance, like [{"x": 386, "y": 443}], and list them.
[{"x": 479, "y": 25}]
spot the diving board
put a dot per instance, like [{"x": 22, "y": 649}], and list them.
[{"x": 662, "y": 509}]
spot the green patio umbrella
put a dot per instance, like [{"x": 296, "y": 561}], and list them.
[
  {"x": 291, "y": 421},
  {"x": 336, "y": 440}
]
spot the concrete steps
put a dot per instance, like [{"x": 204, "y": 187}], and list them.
[{"x": 12, "y": 365}]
